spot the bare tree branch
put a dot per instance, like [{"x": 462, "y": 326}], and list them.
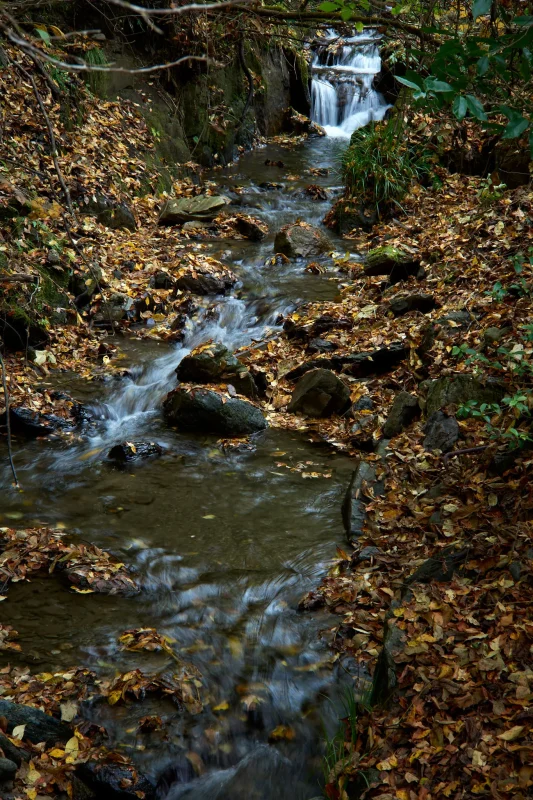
[{"x": 143, "y": 11}]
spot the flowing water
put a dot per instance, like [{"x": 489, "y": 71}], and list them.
[
  {"x": 224, "y": 542},
  {"x": 342, "y": 92}
]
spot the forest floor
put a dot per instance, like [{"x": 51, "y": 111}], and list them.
[{"x": 433, "y": 595}]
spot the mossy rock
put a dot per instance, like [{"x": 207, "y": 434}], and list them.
[
  {"x": 388, "y": 259},
  {"x": 459, "y": 390}
]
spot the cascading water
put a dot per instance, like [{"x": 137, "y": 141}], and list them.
[{"x": 342, "y": 93}]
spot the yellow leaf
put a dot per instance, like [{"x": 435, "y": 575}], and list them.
[
  {"x": 57, "y": 753},
  {"x": 511, "y": 734},
  {"x": 114, "y": 697},
  {"x": 72, "y": 746},
  {"x": 221, "y": 706}
]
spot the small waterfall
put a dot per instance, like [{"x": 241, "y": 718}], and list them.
[{"x": 342, "y": 95}]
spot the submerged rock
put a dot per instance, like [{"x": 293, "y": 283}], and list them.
[
  {"x": 363, "y": 487},
  {"x": 185, "y": 209},
  {"x": 214, "y": 363},
  {"x": 405, "y": 409},
  {"x": 300, "y": 240},
  {"x": 25, "y": 422},
  {"x": 207, "y": 411},
  {"x": 40, "y": 727},
  {"x": 319, "y": 393},
  {"x": 441, "y": 431},
  {"x": 115, "y": 781},
  {"x": 126, "y": 452}
]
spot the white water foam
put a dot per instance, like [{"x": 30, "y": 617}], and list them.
[{"x": 342, "y": 94}]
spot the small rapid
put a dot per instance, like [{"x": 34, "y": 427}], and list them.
[{"x": 342, "y": 91}]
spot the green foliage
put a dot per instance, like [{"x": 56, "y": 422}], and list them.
[
  {"x": 95, "y": 57},
  {"x": 379, "y": 166},
  {"x": 339, "y": 748}
]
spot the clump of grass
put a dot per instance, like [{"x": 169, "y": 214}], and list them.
[
  {"x": 379, "y": 166},
  {"x": 95, "y": 57},
  {"x": 341, "y": 747}
]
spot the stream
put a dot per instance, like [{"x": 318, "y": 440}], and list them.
[{"x": 225, "y": 542}]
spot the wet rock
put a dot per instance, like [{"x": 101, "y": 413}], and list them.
[
  {"x": 384, "y": 680},
  {"x": 15, "y": 754},
  {"x": 115, "y": 781},
  {"x": 201, "y": 208},
  {"x": 375, "y": 362},
  {"x": 83, "y": 284},
  {"x": 492, "y": 336},
  {"x": 300, "y": 240},
  {"x": 40, "y": 727},
  {"x": 441, "y": 431},
  {"x": 261, "y": 775},
  {"x": 207, "y": 411},
  {"x": 25, "y": 422},
  {"x": 18, "y": 333},
  {"x": 113, "y": 310},
  {"x": 393, "y": 262},
  {"x": 414, "y": 302},
  {"x": 8, "y": 770},
  {"x": 250, "y": 228},
  {"x": 405, "y": 409},
  {"x": 214, "y": 363},
  {"x": 440, "y": 568},
  {"x": 299, "y": 124},
  {"x": 162, "y": 280},
  {"x": 456, "y": 319},
  {"x": 320, "y": 393},
  {"x": 460, "y": 389},
  {"x": 364, "y": 403},
  {"x": 321, "y": 346},
  {"x": 108, "y": 212},
  {"x": 202, "y": 281},
  {"x": 363, "y": 486},
  {"x": 126, "y": 452}
]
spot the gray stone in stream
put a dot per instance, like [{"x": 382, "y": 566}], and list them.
[
  {"x": 206, "y": 411},
  {"x": 127, "y": 452},
  {"x": 414, "y": 302},
  {"x": 40, "y": 727},
  {"x": 460, "y": 389},
  {"x": 216, "y": 364},
  {"x": 25, "y": 422},
  {"x": 441, "y": 431},
  {"x": 264, "y": 774},
  {"x": 362, "y": 488},
  {"x": 404, "y": 410},
  {"x": 8, "y": 770},
  {"x": 320, "y": 393},
  {"x": 184, "y": 209},
  {"x": 201, "y": 281},
  {"x": 250, "y": 228},
  {"x": 391, "y": 261},
  {"x": 115, "y": 781},
  {"x": 300, "y": 240}
]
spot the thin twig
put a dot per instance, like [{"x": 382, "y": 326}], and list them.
[
  {"x": 452, "y": 453},
  {"x": 8, "y": 423}
]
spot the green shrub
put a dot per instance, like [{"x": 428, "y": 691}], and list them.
[
  {"x": 95, "y": 57},
  {"x": 379, "y": 166}
]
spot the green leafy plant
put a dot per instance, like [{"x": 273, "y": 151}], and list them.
[
  {"x": 95, "y": 57},
  {"x": 379, "y": 166},
  {"x": 340, "y": 747}
]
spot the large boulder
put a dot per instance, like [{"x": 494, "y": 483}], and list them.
[
  {"x": 184, "y": 209},
  {"x": 393, "y": 262},
  {"x": 320, "y": 393},
  {"x": 441, "y": 431},
  {"x": 207, "y": 411},
  {"x": 405, "y": 409},
  {"x": 460, "y": 389},
  {"x": 301, "y": 240},
  {"x": 108, "y": 212},
  {"x": 40, "y": 727},
  {"x": 214, "y": 363}
]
